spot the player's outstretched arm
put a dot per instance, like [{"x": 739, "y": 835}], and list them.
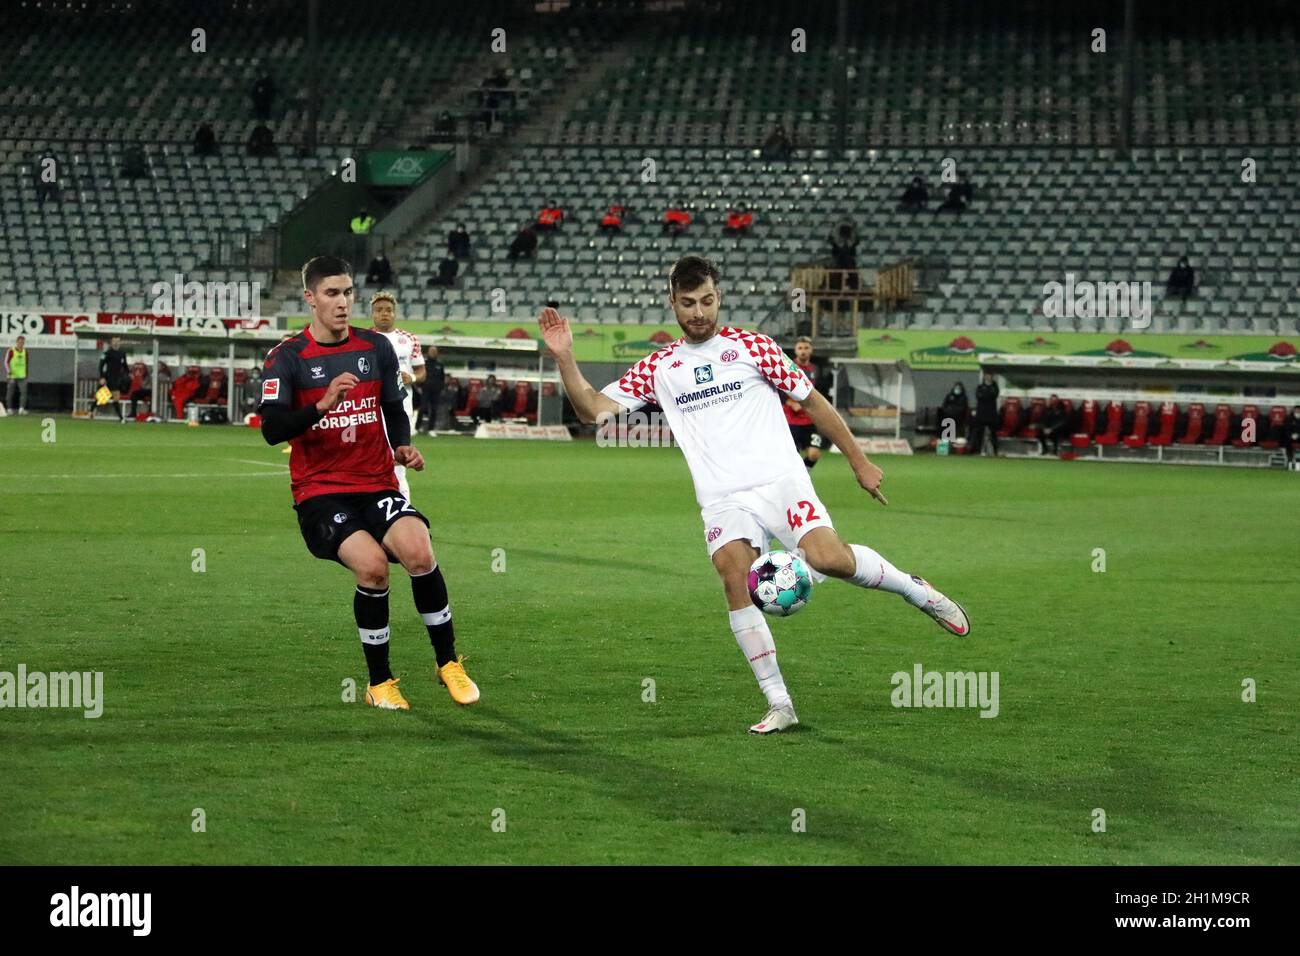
[
  {"x": 586, "y": 401},
  {"x": 831, "y": 425}
]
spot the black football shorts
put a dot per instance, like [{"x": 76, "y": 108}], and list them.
[
  {"x": 326, "y": 521},
  {"x": 805, "y": 436}
]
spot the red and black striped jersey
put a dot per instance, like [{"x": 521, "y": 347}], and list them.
[{"x": 347, "y": 451}]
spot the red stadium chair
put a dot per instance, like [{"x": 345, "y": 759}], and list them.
[
  {"x": 241, "y": 376},
  {"x": 1141, "y": 422},
  {"x": 216, "y": 393},
  {"x": 1010, "y": 418},
  {"x": 1087, "y": 424},
  {"x": 1036, "y": 408},
  {"x": 1168, "y": 422},
  {"x": 471, "y": 398},
  {"x": 1276, "y": 419},
  {"x": 1222, "y": 425},
  {"x": 520, "y": 409},
  {"x": 1195, "y": 424},
  {"x": 1248, "y": 413},
  {"x": 1114, "y": 423}
]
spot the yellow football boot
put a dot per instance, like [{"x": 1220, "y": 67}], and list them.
[
  {"x": 386, "y": 696},
  {"x": 452, "y": 675}
]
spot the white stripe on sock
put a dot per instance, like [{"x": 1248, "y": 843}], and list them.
[
  {"x": 443, "y": 616},
  {"x": 383, "y": 593},
  {"x": 373, "y": 637}
]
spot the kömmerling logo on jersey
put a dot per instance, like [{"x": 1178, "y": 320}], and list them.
[
  {"x": 77, "y": 690},
  {"x": 75, "y": 909},
  {"x": 199, "y": 300}
]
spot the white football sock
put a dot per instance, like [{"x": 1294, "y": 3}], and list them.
[
  {"x": 873, "y": 571},
  {"x": 402, "y": 484},
  {"x": 755, "y": 640}
]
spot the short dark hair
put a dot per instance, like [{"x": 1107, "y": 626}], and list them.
[
  {"x": 691, "y": 272},
  {"x": 318, "y": 268},
  {"x": 803, "y": 338}
]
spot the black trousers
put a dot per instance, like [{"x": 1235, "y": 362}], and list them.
[
  {"x": 977, "y": 431},
  {"x": 428, "y": 414}
]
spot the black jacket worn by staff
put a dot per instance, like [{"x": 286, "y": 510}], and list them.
[
  {"x": 113, "y": 367},
  {"x": 986, "y": 402}
]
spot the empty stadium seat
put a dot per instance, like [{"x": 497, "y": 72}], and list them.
[
  {"x": 1168, "y": 422},
  {"x": 1110, "y": 434}
]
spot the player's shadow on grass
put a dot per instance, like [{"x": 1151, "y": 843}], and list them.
[
  {"x": 729, "y": 806},
  {"x": 1130, "y": 782}
]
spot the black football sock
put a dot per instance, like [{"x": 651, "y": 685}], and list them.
[
  {"x": 430, "y": 592},
  {"x": 370, "y": 605}
]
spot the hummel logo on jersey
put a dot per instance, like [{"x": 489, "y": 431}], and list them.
[
  {"x": 363, "y": 364},
  {"x": 317, "y": 371},
  {"x": 703, "y": 373}
]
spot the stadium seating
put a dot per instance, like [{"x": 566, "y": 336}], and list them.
[
  {"x": 1036, "y": 218},
  {"x": 1110, "y": 435},
  {"x": 983, "y": 79},
  {"x": 1141, "y": 423},
  {"x": 1168, "y": 423},
  {"x": 1195, "y": 423},
  {"x": 1172, "y": 430},
  {"x": 1222, "y": 425}
]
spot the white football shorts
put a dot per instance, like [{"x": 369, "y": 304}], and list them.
[{"x": 785, "y": 509}]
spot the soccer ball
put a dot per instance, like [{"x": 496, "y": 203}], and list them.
[{"x": 779, "y": 583}]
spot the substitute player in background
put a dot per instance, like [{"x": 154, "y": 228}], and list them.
[
  {"x": 333, "y": 389},
  {"x": 410, "y": 362},
  {"x": 720, "y": 388},
  {"x": 807, "y": 440}
]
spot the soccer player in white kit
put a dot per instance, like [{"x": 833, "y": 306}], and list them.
[
  {"x": 720, "y": 389},
  {"x": 410, "y": 361}
]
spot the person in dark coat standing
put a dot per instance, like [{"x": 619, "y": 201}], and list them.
[
  {"x": 986, "y": 415},
  {"x": 435, "y": 377}
]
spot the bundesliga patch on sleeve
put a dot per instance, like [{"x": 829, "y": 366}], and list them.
[{"x": 270, "y": 389}]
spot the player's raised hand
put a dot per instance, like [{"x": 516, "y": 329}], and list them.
[
  {"x": 337, "y": 391},
  {"x": 409, "y": 456},
  {"x": 555, "y": 331},
  {"x": 870, "y": 477}
]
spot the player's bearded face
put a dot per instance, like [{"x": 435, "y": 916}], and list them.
[
  {"x": 802, "y": 352},
  {"x": 697, "y": 311}
]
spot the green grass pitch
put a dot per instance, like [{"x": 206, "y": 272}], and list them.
[{"x": 1119, "y": 690}]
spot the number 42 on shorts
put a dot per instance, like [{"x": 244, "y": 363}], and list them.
[{"x": 795, "y": 519}]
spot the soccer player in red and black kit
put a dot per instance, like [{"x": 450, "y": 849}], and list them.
[
  {"x": 802, "y": 430},
  {"x": 333, "y": 390}
]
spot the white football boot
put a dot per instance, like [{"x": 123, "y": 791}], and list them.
[
  {"x": 950, "y": 615},
  {"x": 776, "y": 720}
]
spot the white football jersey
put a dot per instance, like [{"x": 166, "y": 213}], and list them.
[
  {"x": 407, "y": 347},
  {"x": 722, "y": 400}
]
